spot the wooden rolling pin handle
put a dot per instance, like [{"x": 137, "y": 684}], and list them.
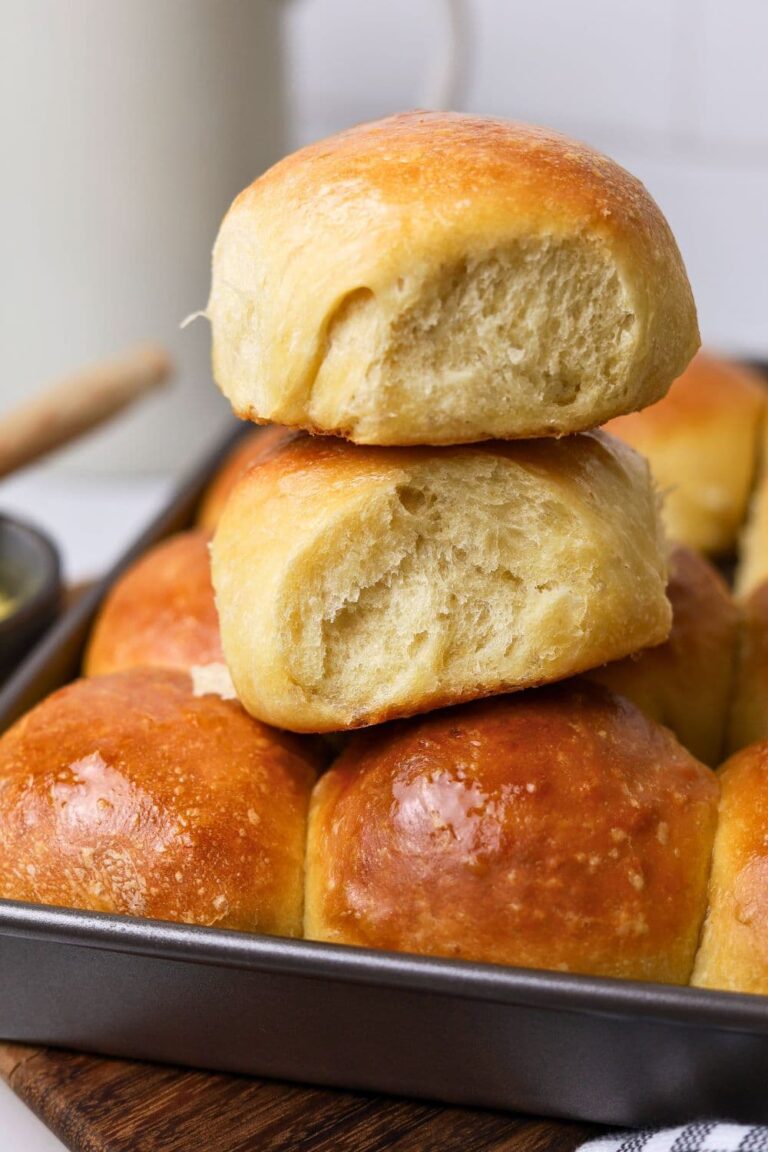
[{"x": 79, "y": 403}]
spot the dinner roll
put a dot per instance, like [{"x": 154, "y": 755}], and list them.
[
  {"x": 248, "y": 450},
  {"x": 559, "y": 828},
  {"x": 160, "y": 612},
  {"x": 702, "y": 442},
  {"x": 360, "y": 584},
  {"x": 749, "y": 709},
  {"x": 734, "y": 945},
  {"x": 436, "y": 278},
  {"x": 131, "y": 794},
  {"x": 686, "y": 682},
  {"x": 752, "y": 567}
]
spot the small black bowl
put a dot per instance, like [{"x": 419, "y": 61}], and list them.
[{"x": 30, "y": 575}]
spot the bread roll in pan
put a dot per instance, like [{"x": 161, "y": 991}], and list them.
[{"x": 616, "y": 1052}]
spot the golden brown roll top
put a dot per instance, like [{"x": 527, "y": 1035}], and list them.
[
  {"x": 702, "y": 443},
  {"x": 556, "y": 829},
  {"x": 436, "y": 278},
  {"x": 160, "y": 613},
  {"x": 734, "y": 947},
  {"x": 686, "y": 683},
  {"x": 360, "y": 584},
  {"x": 130, "y": 794},
  {"x": 249, "y": 449},
  {"x": 749, "y": 708}
]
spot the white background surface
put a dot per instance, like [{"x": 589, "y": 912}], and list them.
[
  {"x": 91, "y": 519},
  {"x": 20, "y": 1129}
]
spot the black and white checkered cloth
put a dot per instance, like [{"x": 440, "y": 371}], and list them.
[{"x": 703, "y": 1137}]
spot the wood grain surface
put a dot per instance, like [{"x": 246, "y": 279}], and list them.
[{"x": 98, "y": 1105}]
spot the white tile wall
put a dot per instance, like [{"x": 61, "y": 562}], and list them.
[
  {"x": 734, "y": 94},
  {"x": 719, "y": 215},
  {"x": 593, "y": 64},
  {"x": 352, "y": 60}
]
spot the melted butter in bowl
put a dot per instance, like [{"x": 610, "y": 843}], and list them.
[
  {"x": 30, "y": 589},
  {"x": 7, "y": 604}
]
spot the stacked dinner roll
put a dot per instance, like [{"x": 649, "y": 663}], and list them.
[
  {"x": 355, "y": 584},
  {"x": 439, "y": 279},
  {"x": 455, "y": 301},
  {"x": 435, "y": 312},
  {"x": 450, "y": 305}
]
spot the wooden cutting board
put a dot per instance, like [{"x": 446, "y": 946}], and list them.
[{"x": 99, "y": 1105}]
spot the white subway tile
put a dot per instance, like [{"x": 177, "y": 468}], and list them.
[
  {"x": 576, "y": 65},
  {"x": 734, "y": 78}
]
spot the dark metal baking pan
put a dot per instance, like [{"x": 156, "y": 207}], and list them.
[{"x": 538, "y": 1042}]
